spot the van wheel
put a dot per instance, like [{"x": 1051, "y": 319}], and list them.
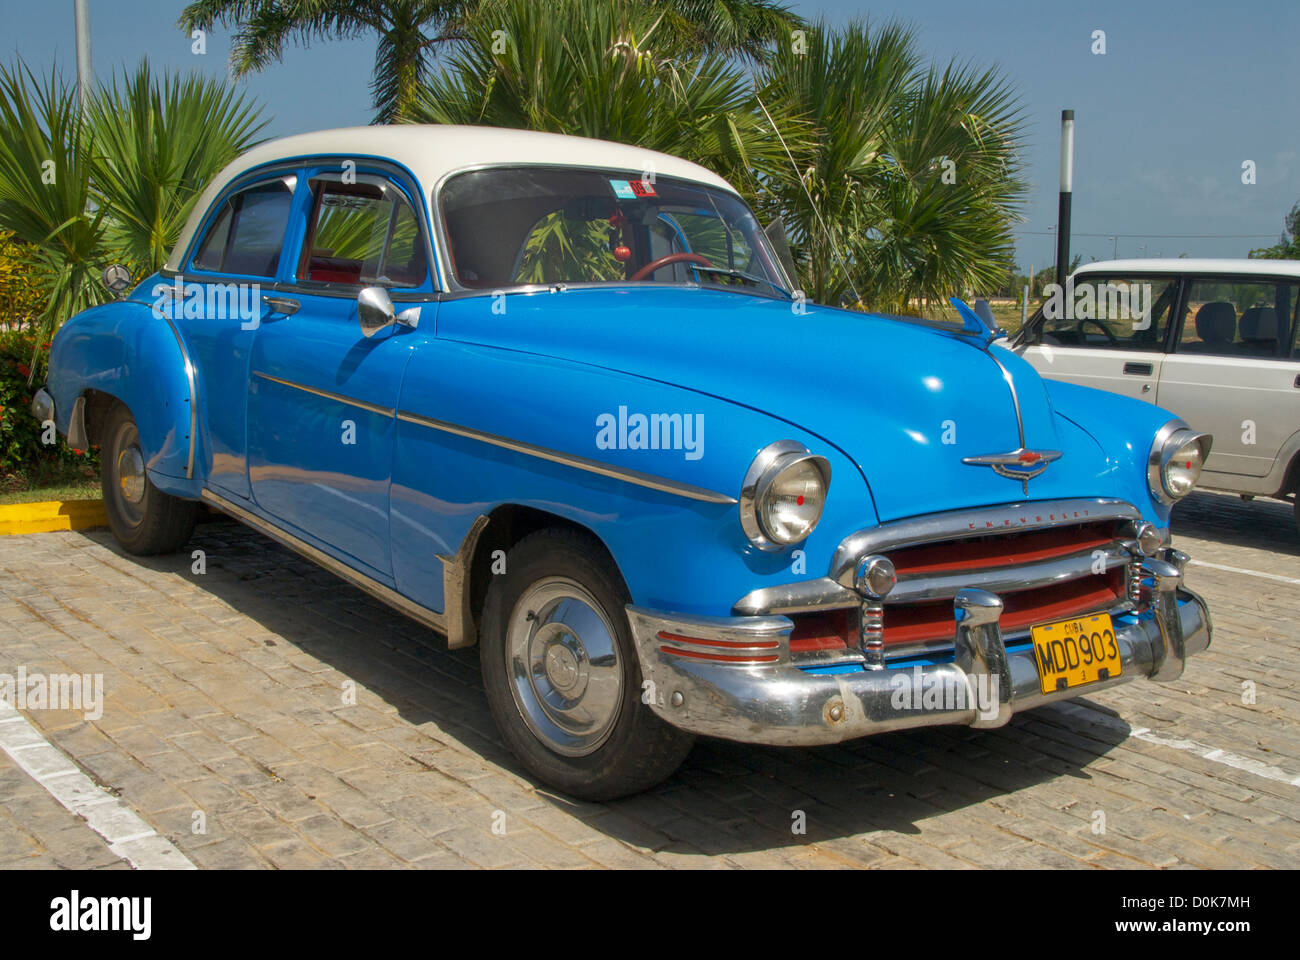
[
  {"x": 561, "y": 674},
  {"x": 144, "y": 520}
]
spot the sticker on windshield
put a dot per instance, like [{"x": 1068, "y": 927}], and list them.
[{"x": 631, "y": 189}]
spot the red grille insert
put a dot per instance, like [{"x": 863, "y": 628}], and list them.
[
  {"x": 832, "y": 630},
  {"x": 917, "y": 623},
  {"x": 1001, "y": 551}
]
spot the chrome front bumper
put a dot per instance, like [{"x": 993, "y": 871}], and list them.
[{"x": 760, "y": 696}]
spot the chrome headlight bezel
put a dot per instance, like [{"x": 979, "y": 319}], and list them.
[
  {"x": 1169, "y": 439},
  {"x": 767, "y": 466}
]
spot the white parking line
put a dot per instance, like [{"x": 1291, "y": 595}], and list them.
[
  {"x": 128, "y": 836},
  {"x": 1249, "y": 573},
  {"x": 1213, "y": 754}
]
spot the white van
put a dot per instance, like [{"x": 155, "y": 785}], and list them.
[{"x": 1214, "y": 341}]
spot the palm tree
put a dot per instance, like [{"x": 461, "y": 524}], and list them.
[
  {"x": 115, "y": 181},
  {"x": 157, "y": 145},
  {"x": 45, "y": 191},
  {"x": 912, "y": 187},
  {"x": 408, "y": 32},
  {"x": 612, "y": 70},
  {"x": 411, "y": 31}
]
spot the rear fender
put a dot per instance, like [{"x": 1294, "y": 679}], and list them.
[{"x": 122, "y": 350}]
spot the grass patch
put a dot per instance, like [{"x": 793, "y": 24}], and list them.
[{"x": 53, "y": 482}]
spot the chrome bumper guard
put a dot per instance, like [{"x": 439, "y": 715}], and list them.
[{"x": 731, "y": 677}]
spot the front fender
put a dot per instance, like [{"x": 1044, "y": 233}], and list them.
[
  {"x": 1124, "y": 428},
  {"x": 674, "y": 552},
  {"x": 121, "y": 349}
]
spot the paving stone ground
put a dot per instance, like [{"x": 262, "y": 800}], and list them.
[{"x": 227, "y": 726}]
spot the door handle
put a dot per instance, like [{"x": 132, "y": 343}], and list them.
[
  {"x": 1297, "y": 381},
  {"x": 1138, "y": 369},
  {"x": 282, "y": 305}
]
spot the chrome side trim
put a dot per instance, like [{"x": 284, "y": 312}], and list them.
[
  {"x": 458, "y": 614},
  {"x": 371, "y": 586},
  {"x": 350, "y": 401},
  {"x": 518, "y": 446},
  {"x": 572, "y": 460},
  {"x": 964, "y": 524},
  {"x": 194, "y": 397}
]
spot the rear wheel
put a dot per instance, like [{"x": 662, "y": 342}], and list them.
[
  {"x": 143, "y": 518},
  {"x": 561, "y": 674}
]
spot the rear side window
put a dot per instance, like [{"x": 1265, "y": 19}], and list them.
[
  {"x": 1239, "y": 318},
  {"x": 248, "y": 233},
  {"x": 363, "y": 233}
]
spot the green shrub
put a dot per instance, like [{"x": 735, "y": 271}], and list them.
[{"x": 24, "y": 459}]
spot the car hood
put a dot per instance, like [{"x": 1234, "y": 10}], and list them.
[{"x": 904, "y": 401}]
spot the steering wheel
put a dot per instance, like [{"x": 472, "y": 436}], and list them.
[
  {"x": 1100, "y": 326},
  {"x": 654, "y": 265}
]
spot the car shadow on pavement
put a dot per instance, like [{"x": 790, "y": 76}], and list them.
[
  {"x": 1226, "y": 518},
  {"x": 726, "y": 798}
]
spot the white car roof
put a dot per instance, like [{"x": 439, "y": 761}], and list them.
[
  {"x": 432, "y": 151},
  {"x": 1272, "y": 268}
]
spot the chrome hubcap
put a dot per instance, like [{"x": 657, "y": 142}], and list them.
[
  {"x": 130, "y": 474},
  {"x": 563, "y": 666}
]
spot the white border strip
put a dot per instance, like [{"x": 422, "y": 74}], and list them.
[{"x": 128, "y": 836}]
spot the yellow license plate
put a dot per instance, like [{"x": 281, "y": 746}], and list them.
[{"x": 1071, "y": 653}]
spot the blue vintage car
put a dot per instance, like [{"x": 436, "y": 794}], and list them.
[{"x": 559, "y": 398}]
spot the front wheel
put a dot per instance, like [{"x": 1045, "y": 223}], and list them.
[
  {"x": 561, "y": 674},
  {"x": 143, "y": 518}
]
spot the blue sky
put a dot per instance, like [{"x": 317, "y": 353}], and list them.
[{"x": 1185, "y": 92}]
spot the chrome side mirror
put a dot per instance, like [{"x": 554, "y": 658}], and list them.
[{"x": 375, "y": 311}]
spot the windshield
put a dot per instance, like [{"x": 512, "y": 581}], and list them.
[{"x": 518, "y": 225}]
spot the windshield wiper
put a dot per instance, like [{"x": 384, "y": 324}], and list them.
[{"x": 738, "y": 274}]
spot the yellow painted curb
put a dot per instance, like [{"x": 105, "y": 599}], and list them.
[{"x": 16, "y": 518}]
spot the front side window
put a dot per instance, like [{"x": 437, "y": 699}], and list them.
[
  {"x": 1110, "y": 312},
  {"x": 248, "y": 233},
  {"x": 520, "y": 225},
  {"x": 364, "y": 232},
  {"x": 1239, "y": 318}
]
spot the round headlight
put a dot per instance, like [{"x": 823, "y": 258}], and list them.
[
  {"x": 783, "y": 495},
  {"x": 1177, "y": 458}
]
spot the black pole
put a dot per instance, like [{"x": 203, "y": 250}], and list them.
[{"x": 1067, "y": 191}]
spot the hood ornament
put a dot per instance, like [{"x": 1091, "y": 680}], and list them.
[{"x": 1022, "y": 464}]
